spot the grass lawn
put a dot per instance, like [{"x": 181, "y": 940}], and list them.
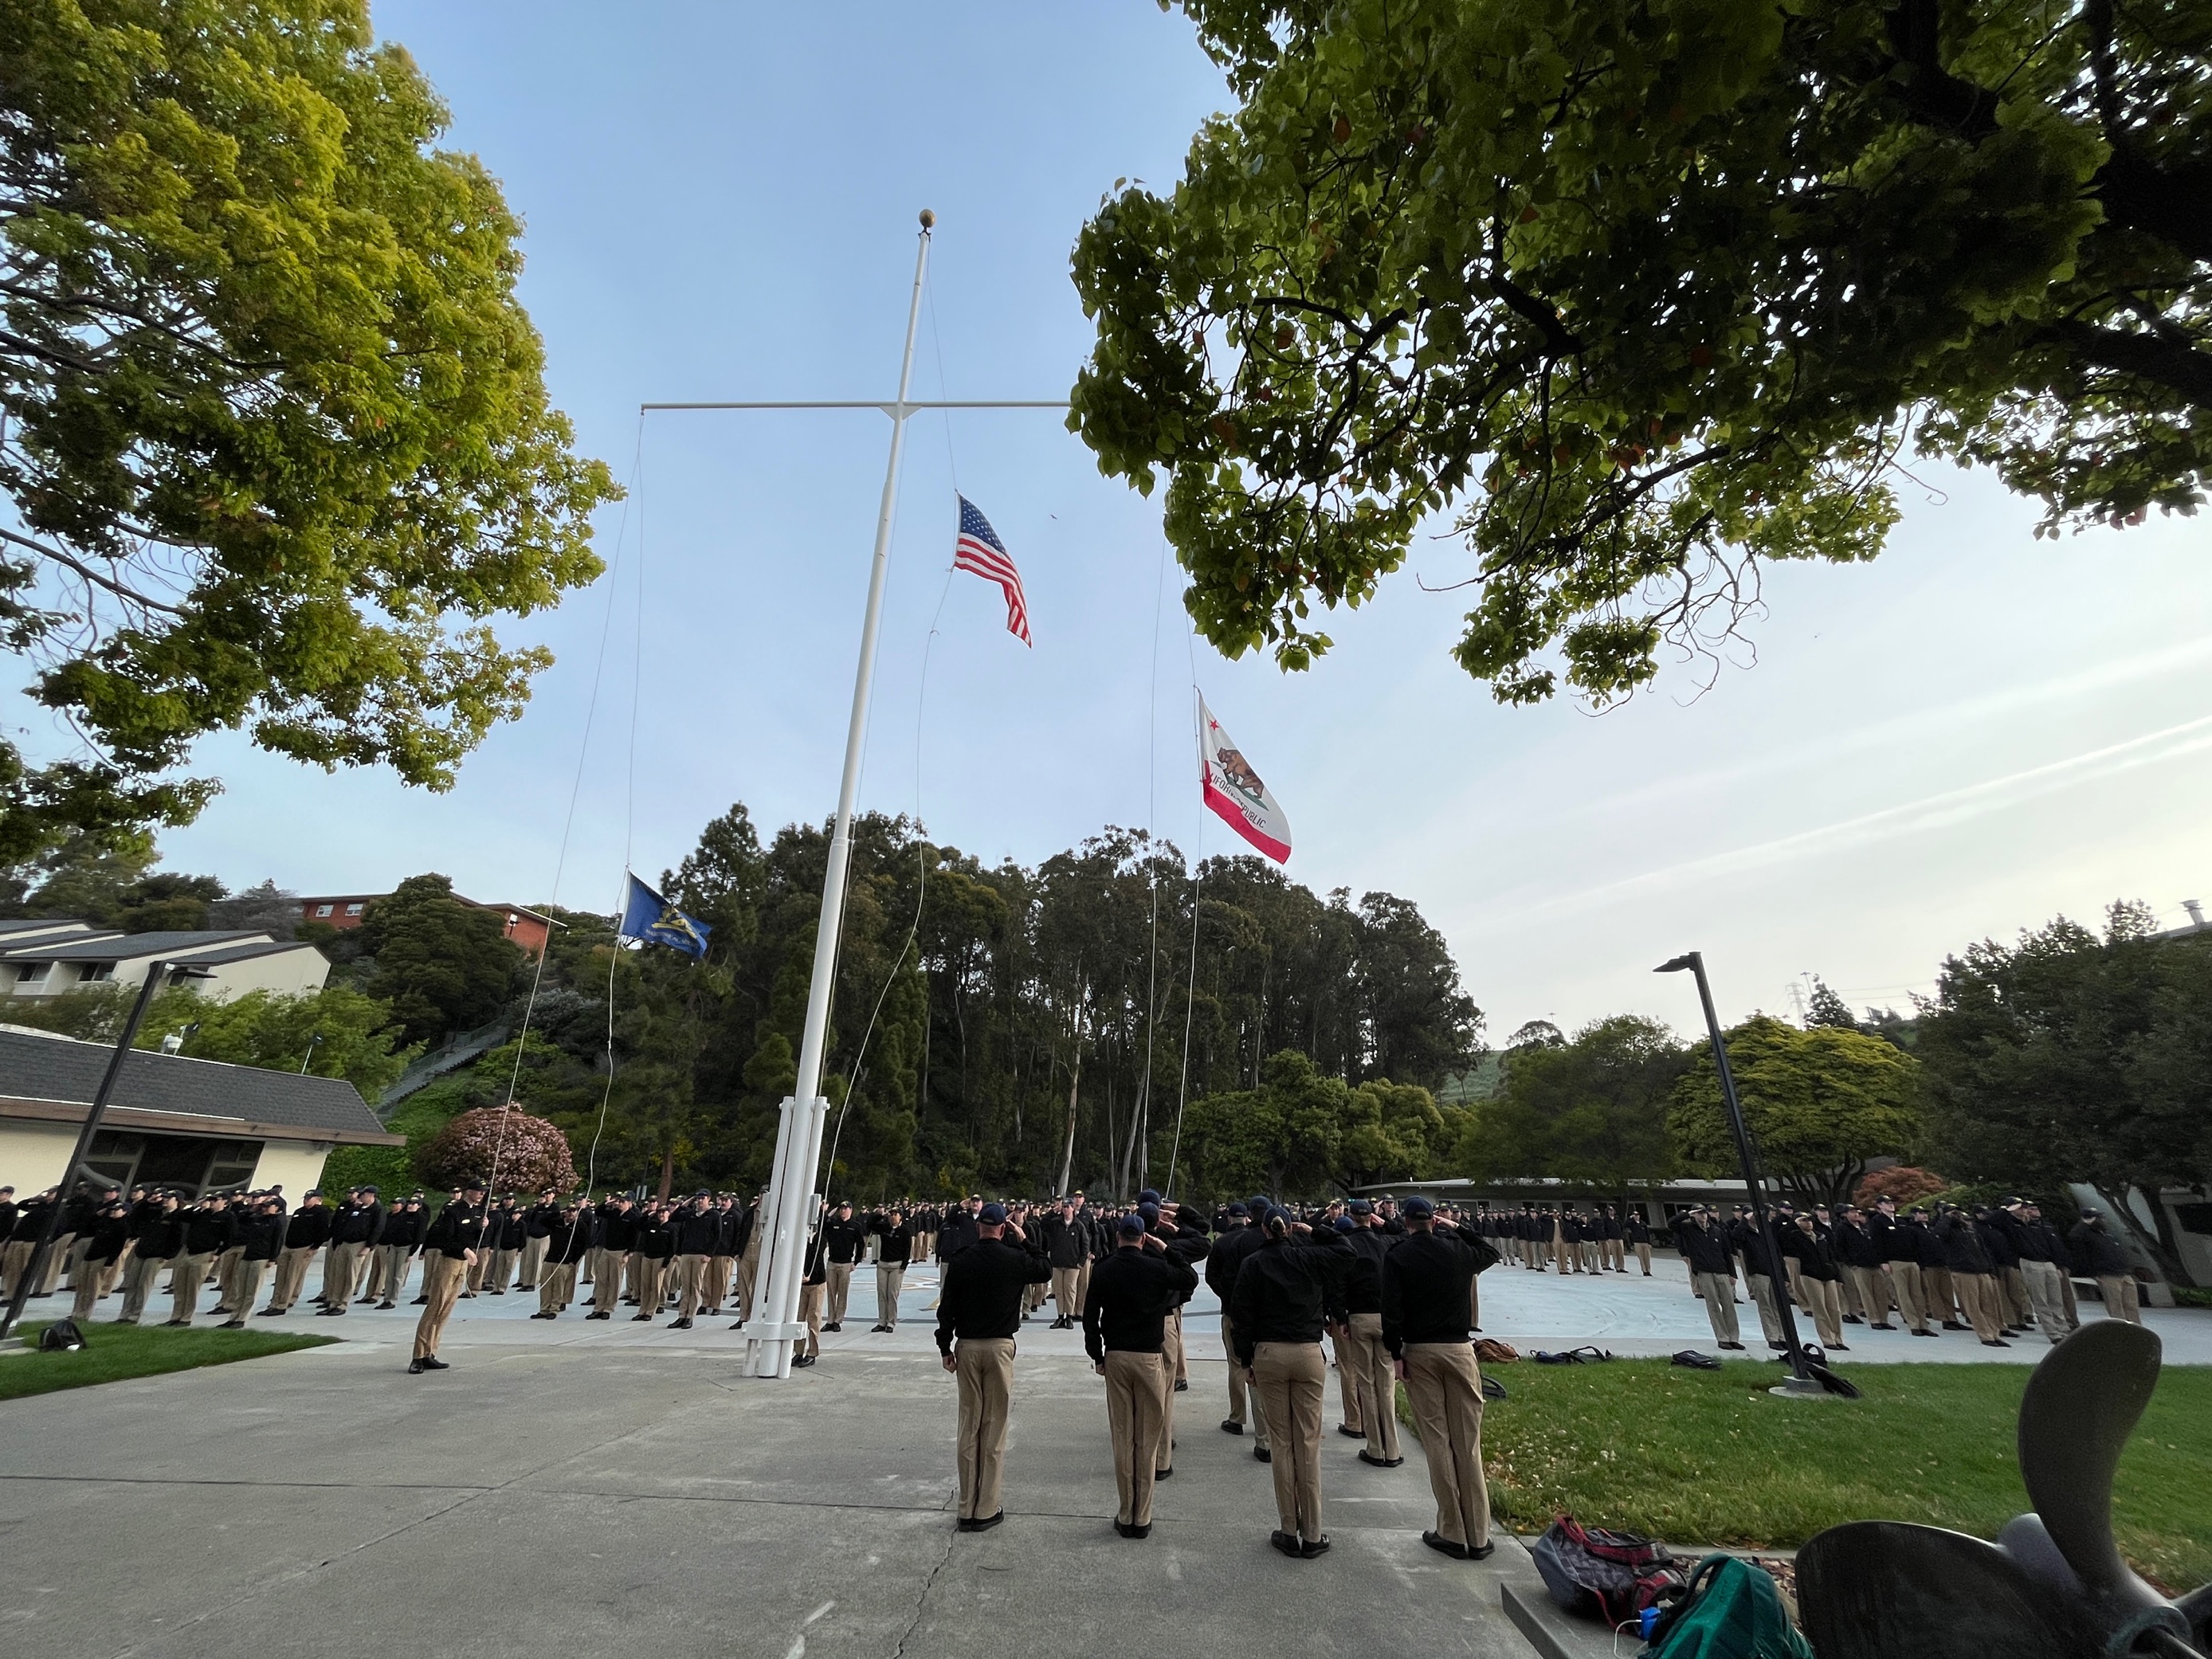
[
  {"x": 113, "y": 1352},
  {"x": 1710, "y": 1457}
]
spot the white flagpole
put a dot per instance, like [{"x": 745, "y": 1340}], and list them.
[{"x": 792, "y": 1202}]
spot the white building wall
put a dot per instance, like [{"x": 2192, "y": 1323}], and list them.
[
  {"x": 298, "y": 1164},
  {"x": 32, "y": 1155}
]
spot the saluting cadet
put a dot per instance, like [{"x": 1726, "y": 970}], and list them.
[
  {"x": 1425, "y": 1300},
  {"x": 1125, "y": 1321},
  {"x": 159, "y": 1235},
  {"x": 1239, "y": 1238},
  {"x": 355, "y": 1228},
  {"x": 1283, "y": 1292},
  {"x": 108, "y": 1233},
  {"x": 567, "y": 1243},
  {"x": 979, "y": 1309},
  {"x": 894, "y": 1250},
  {"x": 307, "y": 1231},
  {"x": 843, "y": 1239},
  {"x": 1362, "y": 1363},
  {"x": 455, "y": 1236},
  {"x": 1705, "y": 1248}
]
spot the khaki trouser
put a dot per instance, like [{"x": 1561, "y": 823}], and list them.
[
  {"x": 1643, "y": 1259},
  {"x": 810, "y": 1311},
  {"x": 1347, "y": 1380},
  {"x": 186, "y": 1273},
  {"x": 1977, "y": 1293},
  {"x": 984, "y": 1366},
  {"x": 1136, "y": 1385},
  {"x": 245, "y": 1284},
  {"x": 1912, "y": 1299},
  {"x": 1064, "y": 1280},
  {"x": 339, "y": 1269},
  {"x": 1821, "y": 1298},
  {"x": 2072, "y": 1308},
  {"x": 1236, "y": 1388},
  {"x": 2017, "y": 1310},
  {"x": 1083, "y": 1287},
  {"x": 88, "y": 1279},
  {"x": 137, "y": 1286},
  {"x": 2045, "y": 1297},
  {"x": 501, "y": 1273},
  {"x": 1474, "y": 1301},
  {"x": 607, "y": 1281},
  {"x": 57, "y": 1259},
  {"x": 689, "y": 1291},
  {"x": 841, "y": 1289},
  {"x": 1718, "y": 1291},
  {"x": 1444, "y": 1388},
  {"x": 556, "y": 1286},
  {"x": 442, "y": 1283},
  {"x": 1378, "y": 1386},
  {"x": 890, "y": 1280},
  {"x": 1938, "y": 1295},
  {"x": 653, "y": 1273},
  {"x": 1292, "y": 1378},
  {"x": 291, "y": 1274},
  {"x": 15, "y": 1262},
  {"x": 2122, "y": 1299},
  {"x": 1770, "y": 1315},
  {"x": 748, "y": 1271},
  {"x": 392, "y": 1262},
  {"x": 533, "y": 1263},
  {"x": 1871, "y": 1286},
  {"x": 716, "y": 1291},
  {"x": 226, "y": 1278}
]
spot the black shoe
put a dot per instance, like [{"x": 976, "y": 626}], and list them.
[
  {"x": 1261, "y": 1455},
  {"x": 420, "y": 1301},
  {"x": 739, "y": 1326},
  {"x": 1853, "y": 1319},
  {"x": 1954, "y": 1325},
  {"x": 1231, "y": 1425},
  {"x": 232, "y": 1325},
  {"x": 1162, "y": 1474},
  {"x": 385, "y": 1307},
  {"x": 1314, "y": 1547},
  {"x": 321, "y": 1312},
  {"x": 1482, "y": 1552},
  {"x": 683, "y": 1324},
  {"x": 835, "y": 1325},
  {"x": 370, "y": 1301},
  {"x": 1881, "y": 1328},
  {"x": 985, "y": 1523},
  {"x": 1443, "y": 1546},
  {"x": 598, "y": 1313},
  {"x": 645, "y": 1318},
  {"x": 1129, "y": 1529},
  {"x": 1285, "y": 1542},
  {"x": 1839, "y": 1347},
  {"x": 878, "y": 1330},
  {"x": 1779, "y": 1347},
  {"x": 272, "y": 1313},
  {"x": 541, "y": 1314},
  {"x": 495, "y": 1292},
  {"x": 416, "y": 1368},
  {"x": 212, "y": 1312},
  {"x": 176, "y": 1321},
  {"x": 1923, "y": 1333},
  {"x": 800, "y": 1362},
  {"x": 1352, "y": 1434},
  {"x": 1182, "y": 1386},
  {"x": 1366, "y": 1456},
  {"x": 1736, "y": 1345},
  {"x": 432, "y": 1362},
  {"x": 1998, "y": 1342}
]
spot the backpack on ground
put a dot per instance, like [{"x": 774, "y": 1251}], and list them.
[
  {"x": 62, "y": 1336},
  {"x": 1489, "y": 1350},
  {"x": 1695, "y": 1361},
  {"x": 1728, "y": 1610},
  {"x": 1588, "y": 1354},
  {"x": 1492, "y": 1388},
  {"x": 1612, "y": 1575}
]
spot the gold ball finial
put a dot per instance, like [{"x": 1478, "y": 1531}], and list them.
[{"x": 928, "y": 220}]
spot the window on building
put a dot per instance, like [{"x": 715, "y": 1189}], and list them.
[
  {"x": 27, "y": 971},
  {"x": 352, "y": 909},
  {"x": 325, "y": 909},
  {"x": 92, "y": 972}
]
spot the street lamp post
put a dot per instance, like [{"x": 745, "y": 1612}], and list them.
[
  {"x": 157, "y": 974},
  {"x": 1801, "y": 1380}
]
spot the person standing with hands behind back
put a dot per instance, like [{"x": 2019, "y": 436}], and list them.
[
  {"x": 1425, "y": 1284},
  {"x": 455, "y": 1237},
  {"x": 1125, "y": 1332},
  {"x": 1284, "y": 1291},
  {"x": 980, "y": 1309}
]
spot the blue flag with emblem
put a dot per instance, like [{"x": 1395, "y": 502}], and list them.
[{"x": 652, "y": 919}]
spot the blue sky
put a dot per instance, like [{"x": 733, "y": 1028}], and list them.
[{"x": 1974, "y": 733}]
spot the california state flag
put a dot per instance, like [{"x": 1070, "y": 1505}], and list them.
[{"x": 1234, "y": 790}]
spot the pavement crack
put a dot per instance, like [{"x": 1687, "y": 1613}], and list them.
[{"x": 921, "y": 1601}]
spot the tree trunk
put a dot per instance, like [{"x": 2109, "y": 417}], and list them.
[
  {"x": 667, "y": 1171},
  {"x": 2155, "y": 1244}
]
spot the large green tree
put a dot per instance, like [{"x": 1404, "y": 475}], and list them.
[
  {"x": 1592, "y": 1108},
  {"x": 1819, "y": 1102},
  {"x": 442, "y": 965},
  {"x": 1648, "y": 294},
  {"x": 2073, "y": 1056},
  {"x": 272, "y": 421}
]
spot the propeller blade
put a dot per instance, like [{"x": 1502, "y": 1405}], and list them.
[
  {"x": 2081, "y": 1404},
  {"x": 1877, "y": 1589}
]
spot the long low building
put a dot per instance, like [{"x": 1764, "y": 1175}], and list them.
[
  {"x": 200, "y": 1125},
  {"x": 52, "y": 958}
]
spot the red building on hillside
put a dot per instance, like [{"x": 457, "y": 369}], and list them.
[{"x": 528, "y": 928}]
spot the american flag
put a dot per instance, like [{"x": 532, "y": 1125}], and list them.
[{"x": 980, "y": 550}]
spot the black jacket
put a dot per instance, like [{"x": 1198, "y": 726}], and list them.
[
  {"x": 356, "y": 1224},
  {"x": 1428, "y": 1284},
  {"x": 984, "y": 1287},
  {"x": 540, "y": 1220},
  {"x": 2097, "y": 1252},
  {"x": 1227, "y": 1261},
  {"x": 1284, "y": 1290},
  {"x": 260, "y": 1235},
  {"x": 1963, "y": 1250},
  {"x": 308, "y": 1229},
  {"x": 894, "y": 1245},
  {"x": 1066, "y": 1241},
  {"x": 698, "y": 1232},
  {"x": 459, "y": 1228},
  {"x": 109, "y": 1234},
  {"x": 845, "y": 1240},
  {"x": 1132, "y": 1293},
  {"x": 1706, "y": 1248},
  {"x": 958, "y": 1233},
  {"x": 404, "y": 1229},
  {"x": 1362, "y": 1285},
  {"x": 569, "y": 1241},
  {"x": 656, "y": 1239},
  {"x": 618, "y": 1228},
  {"x": 207, "y": 1231}
]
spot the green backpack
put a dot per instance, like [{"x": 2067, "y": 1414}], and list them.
[{"x": 1731, "y": 1610}]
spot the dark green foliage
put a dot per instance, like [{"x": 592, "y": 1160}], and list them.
[
  {"x": 443, "y": 966},
  {"x": 1593, "y": 1110},
  {"x": 110, "y": 882},
  {"x": 2070, "y": 1057},
  {"x": 1647, "y": 295},
  {"x": 1829, "y": 1009}
]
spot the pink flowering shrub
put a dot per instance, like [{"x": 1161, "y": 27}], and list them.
[{"x": 501, "y": 1143}]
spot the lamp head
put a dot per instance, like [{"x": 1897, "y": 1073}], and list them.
[{"x": 1678, "y": 964}]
